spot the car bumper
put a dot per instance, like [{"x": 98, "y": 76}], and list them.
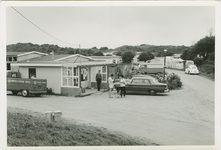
[
  {"x": 194, "y": 72},
  {"x": 35, "y": 92},
  {"x": 166, "y": 91}
]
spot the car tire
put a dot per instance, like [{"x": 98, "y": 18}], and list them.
[
  {"x": 152, "y": 92},
  {"x": 14, "y": 92},
  {"x": 25, "y": 93},
  {"x": 37, "y": 94}
]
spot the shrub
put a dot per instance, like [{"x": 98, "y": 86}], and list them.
[{"x": 173, "y": 80}]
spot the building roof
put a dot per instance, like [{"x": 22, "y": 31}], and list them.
[
  {"x": 75, "y": 55},
  {"x": 24, "y": 53},
  {"x": 46, "y": 58},
  {"x": 177, "y": 55},
  {"x": 105, "y": 57},
  {"x": 14, "y": 53},
  {"x": 94, "y": 63}
]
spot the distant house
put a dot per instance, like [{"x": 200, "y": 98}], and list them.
[
  {"x": 176, "y": 56},
  {"x": 67, "y": 74},
  {"x": 111, "y": 59},
  {"x": 20, "y": 56}
]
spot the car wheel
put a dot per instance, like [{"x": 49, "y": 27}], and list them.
[
  {"x": 14, "y": 92},
  {"x": 152, "y": 92},
  {"x": 37, "y": 94},
  {"x": 25, "y": 93}
]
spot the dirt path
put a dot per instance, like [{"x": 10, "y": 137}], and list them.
[{"x": 182, "y": 117}]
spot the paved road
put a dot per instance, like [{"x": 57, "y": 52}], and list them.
[{"x": 181, "y": 117}]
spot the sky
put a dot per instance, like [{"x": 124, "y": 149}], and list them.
[{"x": 109, "y": 26}]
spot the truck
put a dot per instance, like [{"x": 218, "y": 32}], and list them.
[
  {"x": 26, "y": 86},
  {"x": 187, "y": 63},
  {"x": 151, "y": 68}
]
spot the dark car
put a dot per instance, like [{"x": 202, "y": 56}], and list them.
[{"x": 145, "y": 84}]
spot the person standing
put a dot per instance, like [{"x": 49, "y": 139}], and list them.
[
  {"x": 122, "y": 86},
  {"x": 98, "y": 79},
  {"x": 111, "y": 84}
]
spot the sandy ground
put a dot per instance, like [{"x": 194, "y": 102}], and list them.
[{"x": 181, "y": 117}]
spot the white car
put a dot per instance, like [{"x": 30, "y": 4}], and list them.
[{"x": 192, "y": 69}]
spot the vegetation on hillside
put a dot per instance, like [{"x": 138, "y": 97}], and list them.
[
  {"x": 144, "y": 56},
  {"x": 34, "y": 130},
  {"x": 203, "y": 55},
  {"x": 48, "y": 48}
]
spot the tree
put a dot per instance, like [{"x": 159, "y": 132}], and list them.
[
  {"x": 94, "y": 47},
  {"x": 118, "y": 53},
  {"x": 145, "y": 56},
  {"x": 99, "y": 53},
  {"x": 169, "y": 53},
  {"x": 127, "y": 56},
  {"x": 198, "y": 61},
  {"x": 205, "y": 47},
  {"x": 103, "y": 48}
]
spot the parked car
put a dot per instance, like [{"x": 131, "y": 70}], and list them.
[
  {"x": 26, "y": 86},
  {"x": 144, "y": 84},
  {"x": 192, "y": 69}
]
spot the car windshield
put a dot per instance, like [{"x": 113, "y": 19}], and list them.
[
  {"x": 193, "y": 67},
  {"x": 153, "y": 81}
]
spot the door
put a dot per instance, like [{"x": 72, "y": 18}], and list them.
[
  {"x": 145, "y": 85},
  {"x": 133, "y": 86}
]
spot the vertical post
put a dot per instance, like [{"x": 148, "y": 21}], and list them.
[
  {"x": 164, "y": 64},
  {"x": 80, "y": 52},
  {"x": 79, "y": 75},
  {"x": 164, "y": 67}
]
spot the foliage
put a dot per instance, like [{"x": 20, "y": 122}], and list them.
[
  {"x": 198, "y": 61},
  {"x": 103, "y": 48},
  {"x": 127, "y": 56},
  {"x": 118, "y": 53},
  {"x": 173, "y": 80},
  {"x": 33, "y": 130},
  {"x": 99, "y": 53},
  {"x": 204, "y": 47},
  {"x": 156, "y": 50},
  {"x": 145, "y": 56}
]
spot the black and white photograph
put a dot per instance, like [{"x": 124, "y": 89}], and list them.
[{"x": 110, "y": 74}]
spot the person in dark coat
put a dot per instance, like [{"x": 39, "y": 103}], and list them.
[{"x": 98, "y": 79}]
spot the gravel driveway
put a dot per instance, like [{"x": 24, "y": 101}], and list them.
[{"x": 181, "y": 117}]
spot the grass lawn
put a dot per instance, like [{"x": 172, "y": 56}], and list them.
[{"x": 26, "y": 128}]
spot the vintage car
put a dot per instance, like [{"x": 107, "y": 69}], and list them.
[
  {"x": 192, "y": 69},
  {"x": 144, "y": 84}
]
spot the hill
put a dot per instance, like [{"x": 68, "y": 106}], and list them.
[{"x": 47, "y": 48}]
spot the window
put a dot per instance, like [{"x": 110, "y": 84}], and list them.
[
  {"x": 146, "y": 81},
  {"x": 104, "y": 73},
  {"x": 31, "y": 72},
  {"x": 10, "y": 58},
  {"x": 84, "y": 74},
  {"x": 137, "y": 81},
  {"x": 70, "y": 76},
  {"x": 14, "y": 59}
]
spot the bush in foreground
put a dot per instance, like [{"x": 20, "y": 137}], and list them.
[
  {"x": 27, "y": 130},
  {"x": 172, "y": 79}
]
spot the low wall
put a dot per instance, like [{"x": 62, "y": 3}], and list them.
[{"x": 70, "y": 91}]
